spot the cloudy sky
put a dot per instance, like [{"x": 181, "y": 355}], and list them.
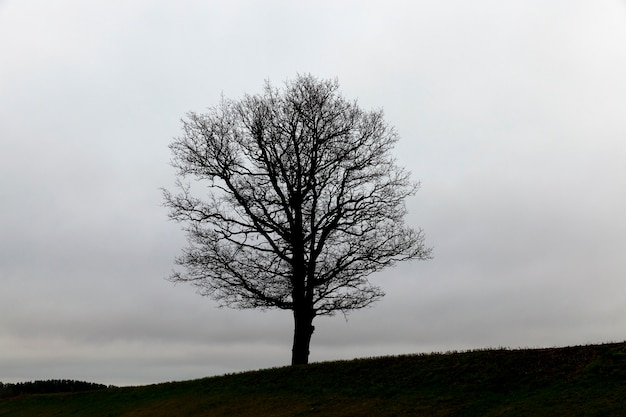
[{"x": 511, "y": 114}]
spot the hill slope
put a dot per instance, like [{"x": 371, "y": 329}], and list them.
[{"x": 572, "y": 381}]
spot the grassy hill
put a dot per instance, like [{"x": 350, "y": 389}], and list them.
[{"x": 571, "y": 381}]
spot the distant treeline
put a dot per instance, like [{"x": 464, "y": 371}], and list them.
[{"x": 50, "y": 386}]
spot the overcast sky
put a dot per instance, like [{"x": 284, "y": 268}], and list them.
[{"x": 510, "y": 113}]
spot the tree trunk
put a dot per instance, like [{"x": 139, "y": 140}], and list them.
[{"x": 303, "y": 330}]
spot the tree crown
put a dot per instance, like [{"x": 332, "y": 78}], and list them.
[{"x": 305, "y": 200}]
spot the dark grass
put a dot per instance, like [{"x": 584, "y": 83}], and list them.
[{"x": 571, "y": 381}]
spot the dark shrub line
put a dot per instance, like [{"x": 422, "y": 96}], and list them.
[{"x": 51, "y": 386}]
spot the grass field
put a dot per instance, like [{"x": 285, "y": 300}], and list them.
[{"x": 571, "y": 381}]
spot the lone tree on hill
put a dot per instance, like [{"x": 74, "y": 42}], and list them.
[{"x": 305, "y": 201}]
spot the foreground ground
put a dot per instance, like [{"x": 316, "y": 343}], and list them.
[{"x": 572, "y": 381}]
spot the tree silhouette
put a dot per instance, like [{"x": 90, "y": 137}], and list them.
[{"x": 304, "y": 202}]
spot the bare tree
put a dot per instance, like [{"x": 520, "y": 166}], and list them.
[{"x": 304, "y": 202}]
